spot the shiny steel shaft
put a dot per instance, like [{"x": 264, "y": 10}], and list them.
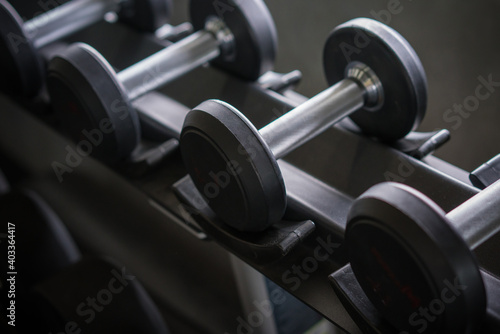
[
  {"x": 313, "y": 117},
  {"x": 478, "y": 219},
  {"x": 66, "y": 19},
  {"x": 169, "y": 63}
]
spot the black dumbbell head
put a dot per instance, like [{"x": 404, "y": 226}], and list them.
[
  {"x": 87, "y": 96},
  {"x": 395, "y": 63},
  {"x": 21, "y": 67},
  {"x": 253, "y": 29},
  {"x": 232, "y": 166},
  {"x": 409, "y": 260},
  {"x": 146, "y": 15}
]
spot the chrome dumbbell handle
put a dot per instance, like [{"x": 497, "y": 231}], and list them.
[
  {"x": 179, "y": 58},
  {"x": 361, "y": 88},
  {"x": 478, "y": 219},
  {"x": 66, "y": 19}
]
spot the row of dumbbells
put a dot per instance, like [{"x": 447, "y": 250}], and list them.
[
  {"x": 375, "y": 78},
  {"x": 23, "y": 66},
  {"x": 368, "y": 65},
  {"x": 48, "y": 286}
]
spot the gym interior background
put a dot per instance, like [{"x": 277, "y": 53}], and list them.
[{"x": 457, "y": 42}]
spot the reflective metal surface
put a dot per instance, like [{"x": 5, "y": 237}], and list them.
[
  {"x": 478, "y": 219},
  {"x": 66, "y": 19},
  {"x": 312, "y": 117},
  {"x": 170, "y": 63}
]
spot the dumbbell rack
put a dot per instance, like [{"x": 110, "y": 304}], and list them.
[{"x": 322, "y": 177}]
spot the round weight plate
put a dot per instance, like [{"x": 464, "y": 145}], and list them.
[
  {"x": 232, "y": 167},
  {"x": 20, "y": 65},
  {"x": 412, "y": 264},
  {"x": 254, "y": 33},
  {"x": 396, "y": 64},
  {"x": 146, "y": 15},
  {"x": 91, "y": 104}
]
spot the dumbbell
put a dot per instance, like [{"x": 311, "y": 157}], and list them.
[
  {"x": 22, "y": 66},
  {"x": 415, "y": 263},
  {"x": 86, "y": 91},
  {"x": 377, "y": 80}
]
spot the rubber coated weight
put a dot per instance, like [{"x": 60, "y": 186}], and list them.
[
  {"x": 22, "y": 69},
  {"x": 96, "y": 108},
  {"x": 254, "y": 33},
  {"x": 397, "y": 66},
  {"x": 233, "y": 167},
  {"x": 409, "y": 260}
]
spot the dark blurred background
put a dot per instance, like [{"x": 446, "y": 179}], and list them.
[{"x": 457, "y": 41}]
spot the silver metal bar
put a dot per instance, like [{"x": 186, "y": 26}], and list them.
[
  {"x": 316, "y": 115},
  {"x": 179, "y": 31},
  {"x": 169, "y": 63},
  {"x": 67, "y": 19},
  {"x": 478, "y": 219}
]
